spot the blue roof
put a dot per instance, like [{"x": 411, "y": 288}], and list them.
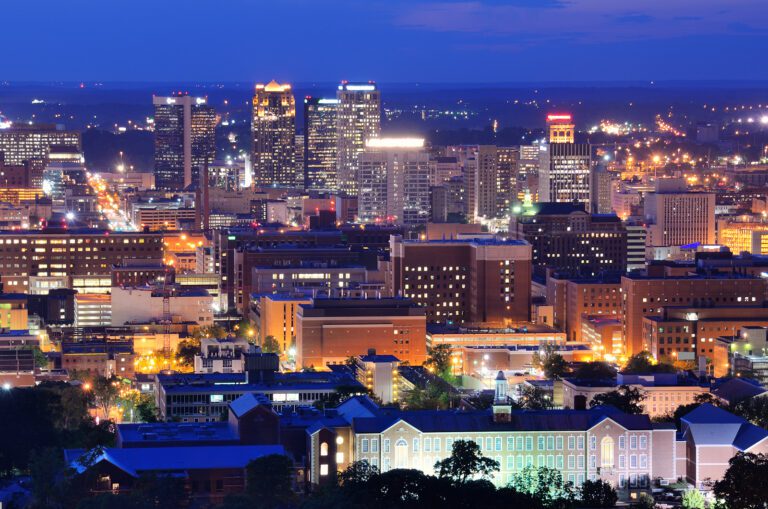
[
  {"x": 171, "y": 433},
  {"x": 247, "y": 402},
  {"x": 738, "y": 389},
  {"x": 437, "y": 421},
  {"x": 159, "y": 459},
  {"x": 379, "y": 358},
  {"x": 710, "y": 425}
]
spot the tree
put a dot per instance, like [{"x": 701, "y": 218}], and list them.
[
  {"x": 546, "y": 485},
  {"x": 45, "y": 466},
  {"x": 270, "y": 345},
  {"x": 439, "y": 359},
  {"x": 742, "y": 485},
  {"x": 625, "y": 398},
  {"x": 598, "y": 494},
  {"x": 41, "y": 360},
  {"x": 269, "y": 480},
  {"x": 432, "y": 397},
  {"x": 644, "y": 363},
  {"x": 105, "y": 394},
  {"x": 596, "y": 370},
  {"x": 755, "y": 410},
  {"x": 358, "y": 473},
  {"x": 551, "y": 363},
  {"x": 186, "y": 351},
  {"x": 466, "y": 462},
  {"x": 693, "y": 499},
  {"x": 211, "y": 331},
  {"x": 645, "y": 501},
  {"x": 534, "y": 398}
]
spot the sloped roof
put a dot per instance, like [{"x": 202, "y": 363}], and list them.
[
  {"x": 163, "y": 459},
  {"x": 710, "y": 425},
  {"x": 245, "y": 403},
  {"x": 436, "y": 421},
  {"x": 738, "y": 389}
]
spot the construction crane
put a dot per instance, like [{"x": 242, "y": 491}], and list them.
[{"x": 167, "y": 291}]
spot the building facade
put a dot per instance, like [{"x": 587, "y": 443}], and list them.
[
  {"x": 273, "y": 129},
  {"x": 358, "y": 119},
  {"x": 320, "y": 144}
]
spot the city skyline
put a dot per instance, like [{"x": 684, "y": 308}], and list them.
[{"x": 394, "y": 41}]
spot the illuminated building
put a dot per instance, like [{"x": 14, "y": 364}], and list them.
[
  {"x": 566, "y": 173},
  {"x": 743, "y": 234},
  {"x": 99, "y": 358},
  {"x": 320, "y": 144},
  {"x": 93, "y": 310},
  {"x": 77, "y": 258},
  {"x": 379, "y": 374},
  {"x": 358, "y": 119},
  {"x": 275, "y": 315},
  {"x": 221, "y": 355},
  {"x": 393, "y": 182},
  {"x": 506, "y": 179},
  {"x": 273, "y": 130},
  {"x": 576, "y": 300},
  {"x": 567, "y": 238},
  {"x": 601, "y": 191},
  {"x": 561, "y": 128},
  {"x": 663, "y": 392},
  {"x": 636, "y": 239},
  {"x": 481, "y": 180},
  {"x": 676, "y": 217},
  {"x": 31, "y": 144},
  {"x": 650, "y": 295},
  {"x": 528, "y": 170},
  {"x": 448, "y": 201},
  {"x": 442, "y": 169},
  {"x": 185, "y": 140},
  {"x": 329, "y": 331},
  {"x": 476, "y": 281}
]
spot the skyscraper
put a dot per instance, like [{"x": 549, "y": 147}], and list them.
[
  {"x": 393, "y": 182},
  {"x": 274, "y": 136},
  {"x": 320, "y": 144},
  {"x": 185, "y": 138},
  {"x": 565, "y": 172},
  {"x": 358, "y": 119},
  {"x": 31, "y": 144}
]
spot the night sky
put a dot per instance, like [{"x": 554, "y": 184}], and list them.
[{"x": 384, "y": 40}]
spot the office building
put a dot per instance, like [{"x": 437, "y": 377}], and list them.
[
  {"x": 506, "y": 179},
  {"x": 93, "y": 310},
  {"x": 565, "y": 237},
  {"x": 478, "y": 280},
  {"x": 273, "y": 130},
  {"x": 29, "y": 146},
  {"x": 649, "y": 295},
  {"x": 185, "y": 140},
  {"x": 528, "y": 170},
  {"x": 358, "y": 119},
  {"x": 69, "y": 257},
  {"x": 677, "y": 217},
  {"x": 329, "y": 331},
  {"x": 320, "y": 117},
  {"x": 221, "y": 355},
  {"x": 393, "y": 182},
  {"x": 565, "y": 173},
  {"x": 601, "y": 192}
]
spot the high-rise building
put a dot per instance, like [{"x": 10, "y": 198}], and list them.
[
  {"x": 393, "y": 181},
  {"x": 320, "y": 144},
  {"x": 185, "y": 140},
  {"x": 358, "y": 120},
  {"x": 677, "y": 217},
  {"x": 601, "y": 190},
  {"x": 273, "y": 130},
  {"x": 565, "y": 169},
  {"x": 565, "y": 175},
  {"x": 477, "y": 280},
  {"x": 528, "y": 171},
  {"x": 506, "y": 179}
]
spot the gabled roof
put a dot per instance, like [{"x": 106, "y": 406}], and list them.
[
  {"x": 710, "y": 425},
  {"x": 245, "y": 403}
]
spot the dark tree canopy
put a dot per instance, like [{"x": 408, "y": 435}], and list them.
[
  {"x": 466, "y": 462},
  {"x": 598, "y": 494},
  {"x": 743, "y": 485},
  {"x": 625, "y": 398}
]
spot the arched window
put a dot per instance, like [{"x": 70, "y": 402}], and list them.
[
  {"x": 324, "y": 449},
  {"x": 606, "y": 452}
]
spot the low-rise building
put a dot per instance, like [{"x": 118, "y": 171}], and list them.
[{"x": 221, "y": 355}]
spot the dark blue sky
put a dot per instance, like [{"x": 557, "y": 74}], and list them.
[{"x": 384, "y": 40}]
